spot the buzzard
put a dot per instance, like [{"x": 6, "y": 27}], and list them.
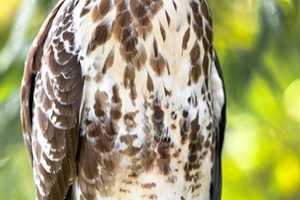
[{"x": 124, "y": 99}]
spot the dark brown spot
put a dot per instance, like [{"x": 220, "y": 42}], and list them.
[
  {"x": 175, "y": 6},
  {"x": 173, "y": 115},
  {"x": 185, "y": 113},
  {"x": 162, "y": 31},
  {"x": 158, "y": 65},
  {"x": 153, "y": 197},
  {"x": 158, "y": 121},
  {"x": 198, "y": 30},
  {"x": 184, "y": 127},
  {"x": 189, "y": 18},
  {"x": 209, "y": 96},
  {"x": 68, "y": 36},
  {"x": 195, "y": 72},
  {"x": 129, "y": 120},
  {"x": 155, "y": 6},
  {"x": 129, "y": 41},
  {"x": 100, "y": 36},
  {"x": 205, "y": 65},
  {"x": 108, "y": 61},
  {"x": 194, "y": 6},
  {"x": 116, "y": 104},
  {"x": 127, "y": 182},
  {"x": 145, "y": 27},
  {"x": 157, "y": 62},
  {"x": 168, "y": 18},
  {"x": 124, "y": 191},
  {"x": 101, "y": 10},
  {"x": 84, "y": 11},
  {"x": 186, "y": 38},
  {"x": 95, "y": 14},
  {"x": 209, "y": 126},
  {"x": 150, "y": 85},
  {"x": 138, "y": 9},
  {"x": 128, "y": 140},
  {"x": 149, "y": 158},
  {"x": 195, "y": 53},
  {"x": 209, "y": 34},
  {"x": 197, "y": 186},
  {"x": 205, "y": 11},
  {"x": 100, "y": 103},
  {"x": 175, "y": 154},
  {"x": 123, "y": 17},
  {"x": 203, "y": 90},
  {"x": 133, "y": 175},
  {"x": 206, "y": 44},
  {"x": 168, "y": 67},
  {"x": 129, "y": 76},
  {"x": 192, "y": 157},
  {"x": 104, "y": 7},
  {"x": 167, "y": 92},
  {"x": 155, "y": 48},
  {"x": 140, "y": 58},
  {"x": 207, "y": 144},
  {"x": 198, "y": 19},
  {"x": 148, "y": 185},
  {"x": 173, "y": 126}
]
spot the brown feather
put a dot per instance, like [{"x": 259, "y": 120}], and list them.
[
  {"x": 58, "y": 90},
  {"x": 31, "y": 65}
]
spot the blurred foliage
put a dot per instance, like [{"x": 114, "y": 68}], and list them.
[{"x": 258, "y": 43}]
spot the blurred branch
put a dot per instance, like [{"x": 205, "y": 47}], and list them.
[{"x": 15, "y": 45}]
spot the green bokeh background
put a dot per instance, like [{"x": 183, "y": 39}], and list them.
[{"x": 258, "y": 43}]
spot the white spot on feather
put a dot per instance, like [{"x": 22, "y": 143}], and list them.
[{"x": 217, "y": 91}]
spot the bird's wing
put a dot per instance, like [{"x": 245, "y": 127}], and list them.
[
  {"x": 33, "y": 62},
  {"x": 51, "y": 95},
  {"x": 219, "y": 104}
]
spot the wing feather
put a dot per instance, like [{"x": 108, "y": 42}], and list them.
[
  {"x": 32, "y": 64},
  {"x": 51, "y": 94}
]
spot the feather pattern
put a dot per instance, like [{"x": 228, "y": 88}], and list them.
[
  {"x": 123, "y": 99},
  {"x": 51, "y": 97}
]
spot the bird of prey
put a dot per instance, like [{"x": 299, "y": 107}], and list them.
[{"x": 124, "y": 99}]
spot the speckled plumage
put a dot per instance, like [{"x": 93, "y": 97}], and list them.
[{"x": 124, "y": 99}]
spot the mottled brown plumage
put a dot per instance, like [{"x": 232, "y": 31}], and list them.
[{"x": 124, "y": 99}]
